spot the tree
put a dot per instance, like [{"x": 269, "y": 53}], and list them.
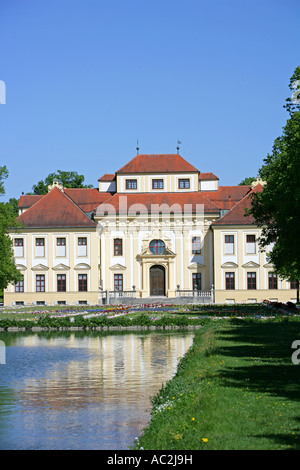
[
  {"x": 69, "y": 179},
  {"x": 8, "y": 270},
  {"x": 3, "y": 175},
  {"x": 13, "y": 204},
  {"x": 277, "y": 208},
  {"x": 249, "y": 180}
]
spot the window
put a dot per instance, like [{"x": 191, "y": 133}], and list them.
[
  {"x": 118, "y": 247},
  {"x": 229, "y": 244},
  {"x": 184, "y": 183},
  {"x": 251, "y": 281},
  {"x": 131, "y": 184},
  {"x": 250, "y": 244},
  {"x": 196, "y": 246},
  {"x": 19, "y": 286},
  {"x": 196, "y": 281},
  {"x": 157, "y": 247},
  {"x": 61, "y": 247},
  {"x": 19, "y": 248},
  {"x": 39, "y": 247},
  {"x": 61, "y": 283},
  {"x": 229, "y": 281},
  {"x": 157, "y": 184},
  {"x": 40, "y": 282},
  {"x": 82, "y": 282},
  {"x": 82, "y": 246},
  {"x": 118, "y": 282},
  {"x": 272, "y": 281},
  {"x": 294, "y": 284}
]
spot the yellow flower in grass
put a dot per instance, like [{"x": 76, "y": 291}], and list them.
[{"x": 204, "y": 439}]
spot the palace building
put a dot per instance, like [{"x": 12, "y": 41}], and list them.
[{"x": 156, "y": 228}]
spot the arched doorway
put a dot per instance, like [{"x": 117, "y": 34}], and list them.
[{"x": 157, "y": 280}]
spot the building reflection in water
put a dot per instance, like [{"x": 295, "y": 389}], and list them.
[{"x": 90, "y": 391}]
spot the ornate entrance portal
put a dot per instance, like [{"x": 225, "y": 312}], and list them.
[{"x": 157, "y": 280}]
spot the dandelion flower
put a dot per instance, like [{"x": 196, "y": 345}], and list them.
[{"x": 204, "y": 439}]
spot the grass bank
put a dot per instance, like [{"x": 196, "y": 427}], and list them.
[{"x": 236, "y": 389}]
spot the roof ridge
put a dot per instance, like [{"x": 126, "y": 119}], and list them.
[
  {"x": 137, "y": 164},
  {"x": 31, "y": 210}
]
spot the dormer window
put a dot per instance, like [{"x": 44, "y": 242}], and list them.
[
  {"x": 184, "y": 183},
  {"x": 131, "y": 184},
  {"x": 158, "y": 184}
]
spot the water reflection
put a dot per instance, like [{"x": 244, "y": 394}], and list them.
[{"x": 82, "y": 391}]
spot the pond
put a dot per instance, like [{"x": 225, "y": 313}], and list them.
[{"x": 83, "y": 390}]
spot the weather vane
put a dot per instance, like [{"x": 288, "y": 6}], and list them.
[
  {"x": 137, "y": 147},
  {"x": 178, "y": 143}
]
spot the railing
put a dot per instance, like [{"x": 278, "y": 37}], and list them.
[
  {"x": 116, "y": 294},
  {"x": 208, "y": 294},
  {"x": 122, "y": 293}
]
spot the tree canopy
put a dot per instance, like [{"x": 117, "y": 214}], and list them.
[
  {"x": 277, "y": 208},
  {"x": 8, "y": 270},
  {"x": 69, "y": 179},
  {"x": 248, "y": 180}
]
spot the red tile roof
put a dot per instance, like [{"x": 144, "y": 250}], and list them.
[
  {"x": 28, "y": 200},
  {"x": 88, "y": 199},
  {"x": 236, "y": 215},
  {"x": 227, "y": 196},
  {"x": 55, "y": 209},
  {"x": 107, "y": 177},
  {"x": 158, "y": 164},
  {"x": 207, "y": 176},
  {"x": 176, "y": 202}
]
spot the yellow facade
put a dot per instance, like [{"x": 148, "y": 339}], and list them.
[
  {"x": 243, "y": 263},
  {"x": 160, "y": 235},
  {"x": 50, "y": 263}
]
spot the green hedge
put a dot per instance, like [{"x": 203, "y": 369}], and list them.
[{"x": 80, "y": 320}]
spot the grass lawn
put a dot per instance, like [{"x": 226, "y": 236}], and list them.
[{"x": 236, "y": 389}]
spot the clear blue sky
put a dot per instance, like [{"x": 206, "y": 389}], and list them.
[{"x": 86, "y": 78}]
